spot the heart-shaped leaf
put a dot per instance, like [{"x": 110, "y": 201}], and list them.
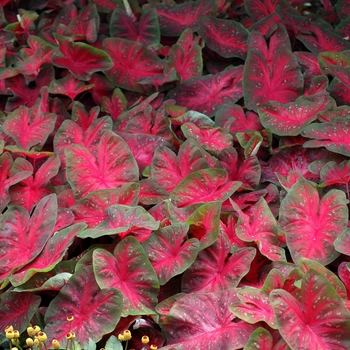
[
  {"x": 128, "y": 270},
  {"x": 96, "y": 312}
]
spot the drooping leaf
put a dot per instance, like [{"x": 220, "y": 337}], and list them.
[
  {"x": 29, "y": 129},
  {"x": 81, "y": 59},
  {"x": 144, "y": 30},
  {"x": 333, "y": 135},
  {"x": 261, "y": 228},
  {"x": 99, "y": 318},
  {"x": 203, "y": 321},
  {"x": 290, "y": 118},
  {"x": 91, "y": 209},
  {"x": 319, "y": 320},
  {"x": 132, "y": 63},
  {"x": 17, "y": 309},
  {"x": 207, "y": 93},
  {"x": 113, "y": 166},
  {"x": 216, "y": 269},
  {"x": 205, "y": 185},
  {"x": 169, "y": 252},
  {"x": 226, "y": 37},
  {"x": 333, "y": 174},
  {"x": 22, "y": 237},
  {"x": 258, "y": 9},
  {"x": 270, "y": 72},
  {"x": 186, "y": 56},
  {"x": 129, "y": 271},
  {"x": 310, "y": 223},
  {"x": 124, "y": 220}
]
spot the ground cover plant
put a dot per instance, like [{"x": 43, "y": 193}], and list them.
[{"x": 176, "y": 172}]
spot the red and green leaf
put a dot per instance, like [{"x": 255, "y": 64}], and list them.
[
  {"x": 100, "y": 318},
  {"x": 311, "y": 224},
  {"x": 129, "y": 271}
]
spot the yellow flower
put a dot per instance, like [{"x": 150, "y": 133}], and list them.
[
  {"x": 10, "y": 335},
  {"x": 145, "y": 339},
  {"x": 36, "y": 329},
  {"x": 16, "y": 334},
  {"x": 70, "y": 318},
  {"x": 121, "y": 337},
  {"x": 30, "y": 331},
  {"x": 127, "y": 335},
  {"x": 8, "y": 328},
  {"x": 69, "y": 335},
  {"x": 153, "y": 347},
  {"x": 56, "y": 344}
]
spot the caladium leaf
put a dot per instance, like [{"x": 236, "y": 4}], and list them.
[
  {"x": 344, "y": 275},
  {"x": 271, "y": 72},
  {"x": 113, "y": 166},
  {"x": 261, "y": 228},
  {"x": 322, "y": 39},
  {"x": 341, "y": 243},
  {"x": 258, "y": 9},
  {"x": 186, "y": 56},
  {"x": 205, "y": 223},
  {"x": 128, "y": 270},
  {"x": 233, "y": 118},
  {"x": 8, "y": 179},
  {"x": 168, "y": 170},
  {"x": 123, "y": 220},
  {"x": 53, "y": 253},
  {"x": 247, "y": 171},
  {"x": 18, "y": 309},
  {"x": 310, "y": 223},
  {"x": 207, "y": 93},
  {"x": 173, "y": 20},
  {"x": 260, "y": 339},
  {"x": 169, "y": 252},
  {"x": 205, "y": 185},
  {"x": 144, "y": 30},
  {"x": 203, "y": 321},
  {"x": 29, "y": 129},
  {"x": 22, "y": 237},
  {"x": 319, "y": 320},
  {"x": 91, "y": 209},
  {"x": 290, "y": 118},
  {"x": 226, "y": 37},
  {"x": 93, "y": 322},
  {"x": 132, "y": 63},
  {"x": 81, "y": 59},
  {"x": 212, "y": 139},
  {"x": 31, "y": 190},
  {"x": 216, "y": 269},
  {"x": 333, "y": 174},
  {"x": 334, "y": 135}
]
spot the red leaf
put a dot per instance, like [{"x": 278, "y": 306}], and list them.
[
  {"x": 311, "y": 224},
  {"x": 226, "y": 37},
  {"x": 81, "y": 59},
  {"x": 271, "y": 72},
  {"x": 207, "y": 93},
  {"x": 29, "y": 129},
  {"x": 129, "y": 271},
  {"x": 216, "y": 269},
  {"x": 82, "y": 290},
  {"x": 112, "y": 166},
  {"x": 22, "y": 237}
]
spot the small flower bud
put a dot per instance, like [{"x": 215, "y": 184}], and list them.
[
  {"x": 14, "y": 348},
  {"x": 127, "y": 335},
  {"x": 16, "y": 334},
  {"x": 145, "y": 339},
  {"x": 29, "y": 341},
  {"x": 36, "y": 329},
  {"x": 70, "y": 318},
  {"x": 30, "y": 331},
  {"x": 8, "y": 328},
  {"x": 10, "y": 335},
  {"x": 36, "y": 342},
  {"x": 56, "y": 344},
  {"x": 153, "y": 347},
  {"x": 15, "y": 342},
  {"x": 121, "y": 337},
  {"x": 42, "y": 336}
]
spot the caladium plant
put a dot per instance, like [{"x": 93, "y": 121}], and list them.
[{"x": 176, "y": 169}]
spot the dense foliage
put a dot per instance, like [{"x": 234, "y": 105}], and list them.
[{"x": 177, "y": 169}]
